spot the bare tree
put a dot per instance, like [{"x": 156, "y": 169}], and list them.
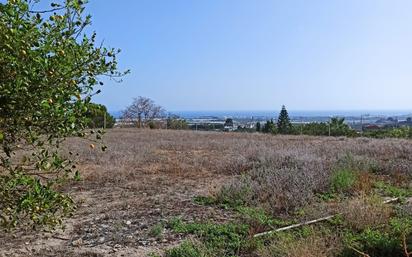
[{"x": 142, "y": 110}]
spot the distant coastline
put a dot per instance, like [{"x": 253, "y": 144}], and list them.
[{"x": 293, "y": 114}]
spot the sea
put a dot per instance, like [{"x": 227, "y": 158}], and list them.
[{"x": 292, "y": 113}]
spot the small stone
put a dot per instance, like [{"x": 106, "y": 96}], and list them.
[
  {"x": 101, "y": 240},
  {"x": 77, "y": 242},
  {"x": 128, "y": 222},
  {"x": 117, "y": 246}
]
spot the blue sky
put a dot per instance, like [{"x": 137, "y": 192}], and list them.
[{"x": 259, "y": 54}]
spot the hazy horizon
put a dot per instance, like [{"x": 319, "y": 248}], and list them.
[{"x": 274, "y": 113}]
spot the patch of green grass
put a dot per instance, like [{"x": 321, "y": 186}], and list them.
[
  {"x": 383, "y": 241},
  {"x": 392, "y": 191},
  {"x": 232, "y": 196},
  {"x": 374, "y": 242},
  {"x": 258, "y": 216},
  {"x": 253, "y": 216},
  {"x": 342, "y": 181},
  {"x": 327, "y": 196},
  {"x": 401, "y": 225},
  {"x": 338, "y": 220},
  {"x": 188, "y": 249},
  {"x": 205, "y": 200},
  {"x": 156, "y": 230},
  {"x": 219, "y": 239}
]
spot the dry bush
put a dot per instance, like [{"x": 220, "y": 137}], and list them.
[
  {"x": 280, "y": 172},
  {"x": 276, "y": 189},
  {"x": 312, "y": 246},
  {"x": 406, "y": 208},
  {"x": 365, "y": 212},
  {"x": 364, "y": 182},
  {"x": 231, "y": 153}
]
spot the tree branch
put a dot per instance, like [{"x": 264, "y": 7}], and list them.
[{"x": 48, "y": 11}]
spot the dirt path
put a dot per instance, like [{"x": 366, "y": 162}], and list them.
[{"x": 117, "y": 221}]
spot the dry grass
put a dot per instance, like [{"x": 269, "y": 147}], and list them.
[
  {"x": 148, "y": 176},
  {"x": 232, "y": 153},
  {"x": 365, "y": 212},
  {"x": 314, "y": 245},
  {"x": 364, "y": 182}
]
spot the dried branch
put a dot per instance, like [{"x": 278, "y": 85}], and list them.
[
  {"x": 312, "y": 221},
  {"x": 359, "y": 252},
  {"x": 294, "y": 226},
  {"x": 48, "y": 11},
  {"x": 405, "y": 246}
]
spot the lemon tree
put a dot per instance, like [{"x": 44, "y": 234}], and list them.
[{"x": 49, "y": 70}]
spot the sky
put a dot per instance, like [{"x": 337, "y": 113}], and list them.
[{"x": 191, "y": 55}]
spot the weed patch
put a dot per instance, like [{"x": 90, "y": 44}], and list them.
[
  {"x": 392, "y": 191},
  {"x": 342, "y": 181},
  {"x": 156, "y": 230},
  {"x": 364, "y": 213},
  {"x": 188, "y": 249},
  {"x": 305, "y": 242},
  {"x": 219, "y": 239},
  {"x": 205, "y": 200},
  {"x": 374, "y": 243}
]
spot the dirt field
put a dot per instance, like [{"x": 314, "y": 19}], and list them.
[{"x": 150, "y": 176}]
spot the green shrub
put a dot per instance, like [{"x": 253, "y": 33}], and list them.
[
  {"x": 204, "y": 200},
  {"x": 404, "y": 132},
  {"x": 151, "y": 125},
  {"x": 393, "y": 191},
  {"x": 343, "y": 180},
  {"x": 156, "y": 230},
  {"x": 187, "y": 249},
  {"x": 374, "y": 243},
  {"x": 401, "y": 225},
  {"x": 235, "y": 194},
  {"x": 219, "y": 239},
  {"x": 23, "y": 195},
  {"x": 98, "y": 117},
  {"x": 259, "y": 217}
]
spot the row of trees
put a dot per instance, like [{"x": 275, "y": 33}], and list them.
[
  {"x": 335, "y": 127},
  {"x": 143, "y": 112},
  {"x": 403, "y": 132}
]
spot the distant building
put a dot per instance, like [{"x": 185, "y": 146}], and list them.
[{"x": 371, "y": 127}]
